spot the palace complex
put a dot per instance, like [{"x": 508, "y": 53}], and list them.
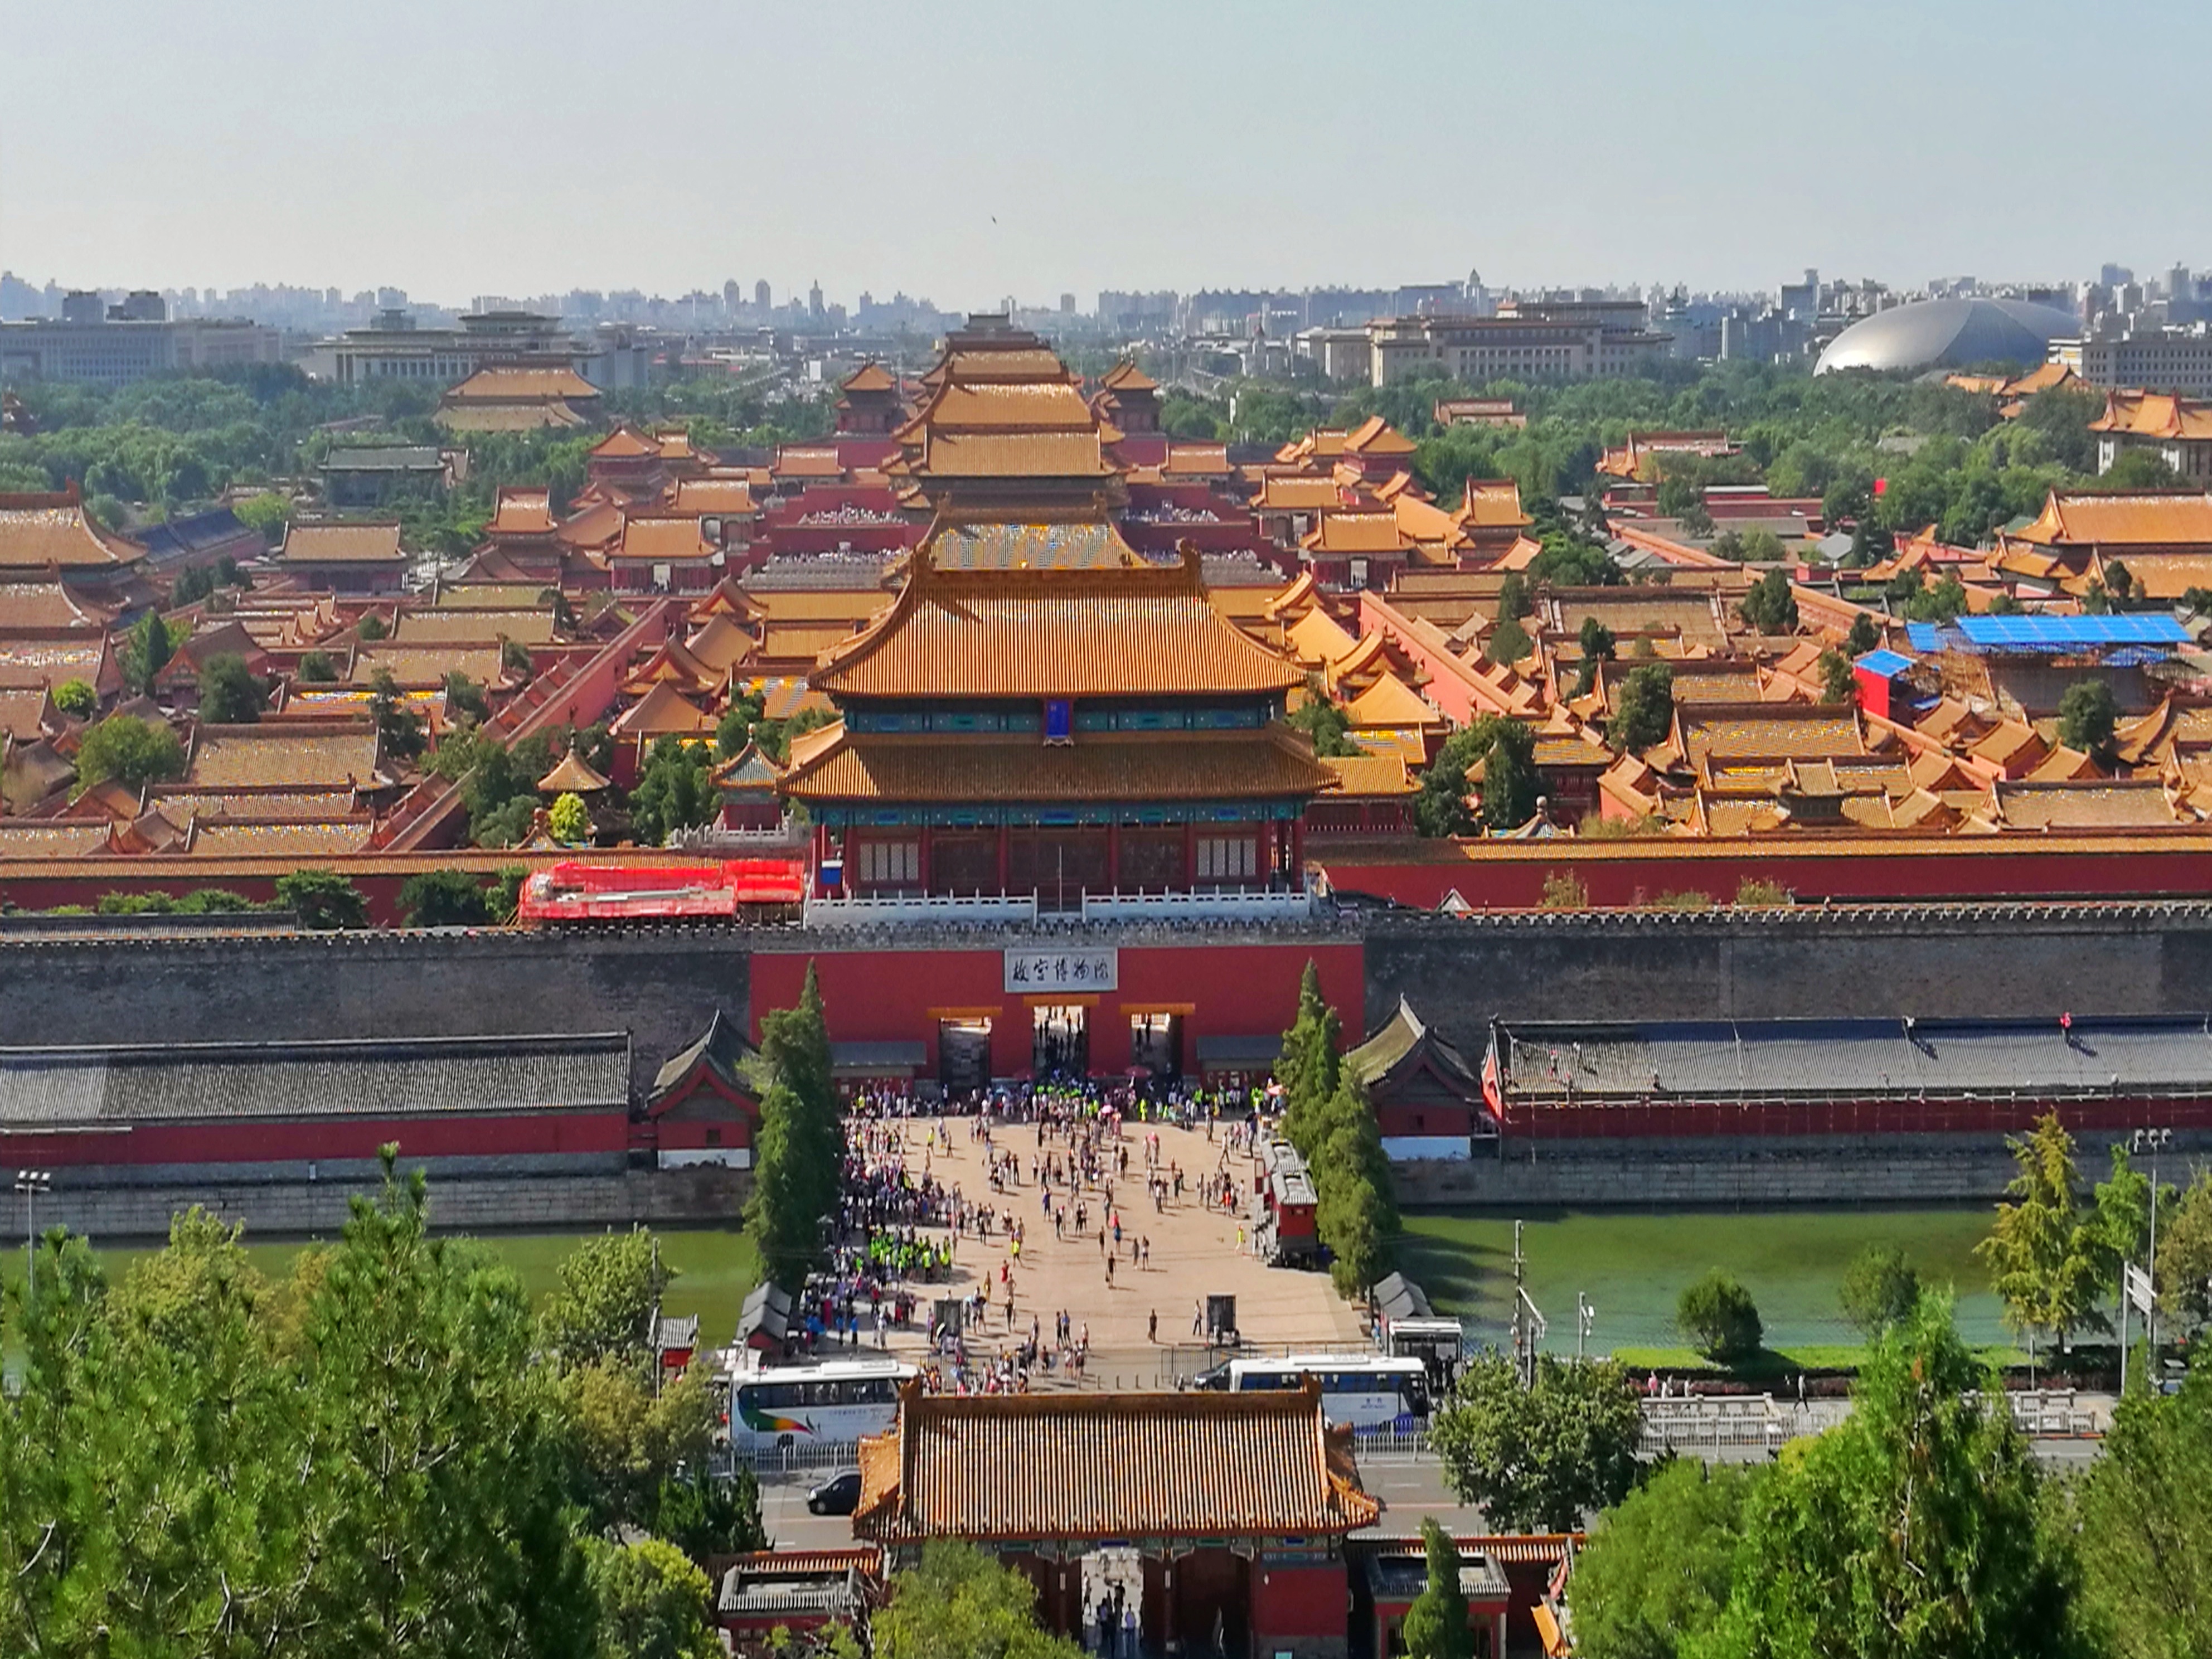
[{"x": 1017, "y": 652}]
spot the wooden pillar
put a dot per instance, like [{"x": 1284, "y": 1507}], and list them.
[
  {"x": 1298, "y": 854},
  {"x": 925, "y": 871},
  {"x": 1190, "y": 857},
  {"x": 1114, "y": 856},
  {"x": 1002, "y": 833}
]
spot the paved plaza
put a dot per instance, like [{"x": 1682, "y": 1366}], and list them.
[{"x": 1195, "y": 1253}]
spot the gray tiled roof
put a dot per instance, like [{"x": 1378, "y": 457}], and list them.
[
  {"x": 387, "y": 1077},
  {"x": 1862, "y": 1059}
]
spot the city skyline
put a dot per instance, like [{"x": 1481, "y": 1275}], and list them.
[{"x": 1030, "y": 160}]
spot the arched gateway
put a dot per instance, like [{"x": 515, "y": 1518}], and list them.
[{"x": 1237, "y": 1506}]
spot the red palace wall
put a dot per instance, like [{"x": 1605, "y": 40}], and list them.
[
  {"x": 1299, "y": 1601},
  {"x": 1662, "y": 1119},
  {"x": 1220, "y": 990},
  {"x": 1621, "y": 875},
  {"x": 264, "y": 1141}
]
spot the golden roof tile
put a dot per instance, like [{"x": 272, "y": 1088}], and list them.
[
  {"x": 342, "y": 543},
  {"x": 1119, "y": 766}
]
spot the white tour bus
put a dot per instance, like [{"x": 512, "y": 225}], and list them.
[
  {"x": 1368, "y": 1391},
  {"x": 819, "y": 1402}
]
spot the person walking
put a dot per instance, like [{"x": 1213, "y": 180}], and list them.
[{"x": 1152, "y": 1329}]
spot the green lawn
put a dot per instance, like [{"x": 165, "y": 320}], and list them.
[
  {"x": 1632, "y": 1266},
  {"x": 715, "y": 1269}
]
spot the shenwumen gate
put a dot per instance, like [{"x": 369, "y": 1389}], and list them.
[{"x": 1236, "y": 1505}]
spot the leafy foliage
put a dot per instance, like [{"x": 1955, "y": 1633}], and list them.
[
  {"x": 2042, "y": 1253},
  {"x": 76, "y": 698},
  {"x": 1839, "y": 684},
  {"x": 1642, "y": 710},
  {"x": 652, "y": 1603},
  {"x": 1506, "y": 750},
  {"x": 444, "y": 898},
  {"x": 1436, "y": 1625},
  {"x": 675, "y": 790},
  {"x": 228, "y": 695},
  {"x": 2145, "y": 1530},
  {"x": 1880, "y": 1289},
  {"x": 2088, "y": 715},
  {"x": 1325, "y": 724},
  {"x": 570, "y": 820},
  {"x": 798, "y": 1162},
  {"x": 147, "y": 649},
  {"x": 1719, "y": 1317},
  {"x": 1536, "y": 1458},
  {"x": 1658, "y": 1568},
  {"x": 960, "y": 1603},
  {"x": 1770, "y": 606},
  {"x": 131, "y": 751},
  {"x": 323, "y": 900},
  {"x": 610, "y": 1285}
]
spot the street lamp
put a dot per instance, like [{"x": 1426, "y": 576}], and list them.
[
  {"x": 2153, "y": 1141},
  {"x": 30, "y": 1183}
]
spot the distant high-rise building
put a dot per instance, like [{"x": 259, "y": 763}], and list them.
[
  {"x": 814, "y": 301},
  {"x": 733, "y": 295},
  {"x": 762, "y": 297},
  {"x": 2115, "y": 276},
  {"x": 1068, "y": 304}
]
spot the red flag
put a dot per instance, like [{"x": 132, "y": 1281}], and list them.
[
  {"x": 1882, "y": 487},
  {"x": 1493, "y": 1094}
]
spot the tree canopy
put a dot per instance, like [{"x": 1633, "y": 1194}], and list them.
[{"x": 1536, "y": 1458}]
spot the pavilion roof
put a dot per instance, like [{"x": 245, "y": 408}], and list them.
[
  {"x": 717, "y": 497},
  {"x": 1493, "y": 503},
  {"x": 44, "y": 531},
  {"x": 372, "y": 543},
  {"x": 663, "y": 712},
  {"x": 520, "y": 511},
  {"x": 2148, "y": 518},
  {"x": 870, "y": 376},
  {"x": 1126, "y": 376},
  {"x": 1119, "y": 766},
  {"x": 663, "y": 538},
  {"x": 990, "y": 1466},
  {"x": 625, "y": 443},
  {"x": 1376, "y": 437},
  {"x": 511, "y": 384},
  {"x": 1390, "y": 701},
  {"x": 1053, "y": 633},
  {"x": 721, "y": 644},
  {"x": 1403, "y": 1042},
  {"x": 1368, "y": 775},
  {"x": 1356, "y": 532},
  {"x": 571, "y": 776},
  {"x": 2155, "y": 415}
]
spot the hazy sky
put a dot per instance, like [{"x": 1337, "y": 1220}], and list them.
[{"x": 967, "y": 149}]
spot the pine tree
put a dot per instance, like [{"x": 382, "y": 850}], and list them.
[
  {"x": 1309, "y": 1065},
  {"x": 1436, "y": 1625}
]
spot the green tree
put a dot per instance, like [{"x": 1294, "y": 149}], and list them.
[
  {"x": 1881, "y": 1288},
  {"x": 798, "y": 1165},
  {"x": 1719, "y": 1317},
  {"x": 266, "y": 512},
  {"x": 1507, "y": 643},
  {"x": 131, "y": 751},
  {"x": 1324, "y": 724},
  {"x": 228, "y": 695},
  {"x": 399, "y": 731},
  {"x": 625, "y": 1440},
  {"x": 323, "y": 900},
  {"x": 465, "y": 697},
  {"x": 1771, "y": 607},
  {"x": 608, "y": 1288},
  {"x": 1865, "y": 635},
  {"x": 735, "y": 729},
  {"x": 371, "y": 628},
  {"x": 570, "y": 820},
  {"x": 77, "y": 699},
  {"x": 1506, "y": 750},
  {"x": 2087, "y": 717},
  {"x": 2135, "y": 468},
  {"x": 2185, "y": 1256},
  {"x": 444, "y": 898},
  {"x": 1513, "y": 599},
  {"x": 2144, "y": 1526},
  {"x": 1644, "y": 708},
  {"x": 675, "y": 791},
  {"x": 2042, "y": 1253},
  {"x": 316, "y": 668},
  {"x": 1912, "y": 1529},
  {"x": 652, "y": 1603},
  {"x": 146, "y": 651},
  {"x": 1354, "y": 1213},
  {"x": 1437, "y": 1624},
  {"x": 1658, "y": 1569},
  {"x": 1839, "y": 684},
  {"x": 705, "y": 1517},
  {"x": 960, "y": 1603},
  {"x": 1309, "y": 1064},
  {"x": 1536, "y": 1458}
]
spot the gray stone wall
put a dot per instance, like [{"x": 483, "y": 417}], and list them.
[
  {"x": 1986, "y": 962},
  {"x": 300, "y": 1209},
  {"x": 660, "y": 985}
]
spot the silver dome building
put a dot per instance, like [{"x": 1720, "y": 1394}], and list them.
[{"x": 1949, "y": 334}]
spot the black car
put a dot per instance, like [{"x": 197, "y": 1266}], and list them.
[{"x": 839, "y": 1495}]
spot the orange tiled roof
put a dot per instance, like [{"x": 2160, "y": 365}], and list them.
[
  {"x": 1196, "y": 460},
  {"x": 2058, "y": 805},
  {"x": 663, "y": 712},
  {"x": 499, "y": 384},
  {"x": 1376, "y": 437},
  {"x": 1011, "y": 455},
  {"x": 468, "y": 625},
  {"x": 1053, "y": 633},
  {"x": 1390, "y": 702},
  {"x": 1770, "y": 730},
  {"x": 1126, "y": 376},
  {"x": 1355, "y": 532},
  {"x": 807, "y": 461},
  {"x": 996, "y": 544},
  {"x": 663, "y": 539},
  {"x": 1494, "y": 504},
  {"x": 46, "y": 607},
  {"x": 324, "y": 755},
  {"x": 1298, "y": 493},
  {"x": 989, "y": 1466},
  {"x": 342, "y": 543},
  {"x": 2116, "y": 521},
  {"x": 1039, "y": 405},
  {"x": 2155, "y": 415},
  {"x": 600, "y": 524},
  {"x": 868, "y": 377},
  {"x": 721, "y": 644},
  {"x": 572, "y": 775},
  {"x": 427, "y": 665},
  {"x": 713, "y": 497},
  {"x": 1104, "y": 767},
  {"x": 1318, "y": 638},
  {"x": 292, "y": 838},
  {"x": 522, "y": 512},
  {"x": 181, "y": 805},
  {"x": 52, "y": 660},
  {"x": 625, "y": 443},
  {"x": 40, "y": 530}
]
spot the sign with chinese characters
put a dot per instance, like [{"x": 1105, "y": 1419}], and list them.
[{"x": 1041, "y": 970}]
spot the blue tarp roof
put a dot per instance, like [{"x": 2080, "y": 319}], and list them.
[
  {"x": 2000, "y": 634},
  {"x": 1885, "y": 663}
]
